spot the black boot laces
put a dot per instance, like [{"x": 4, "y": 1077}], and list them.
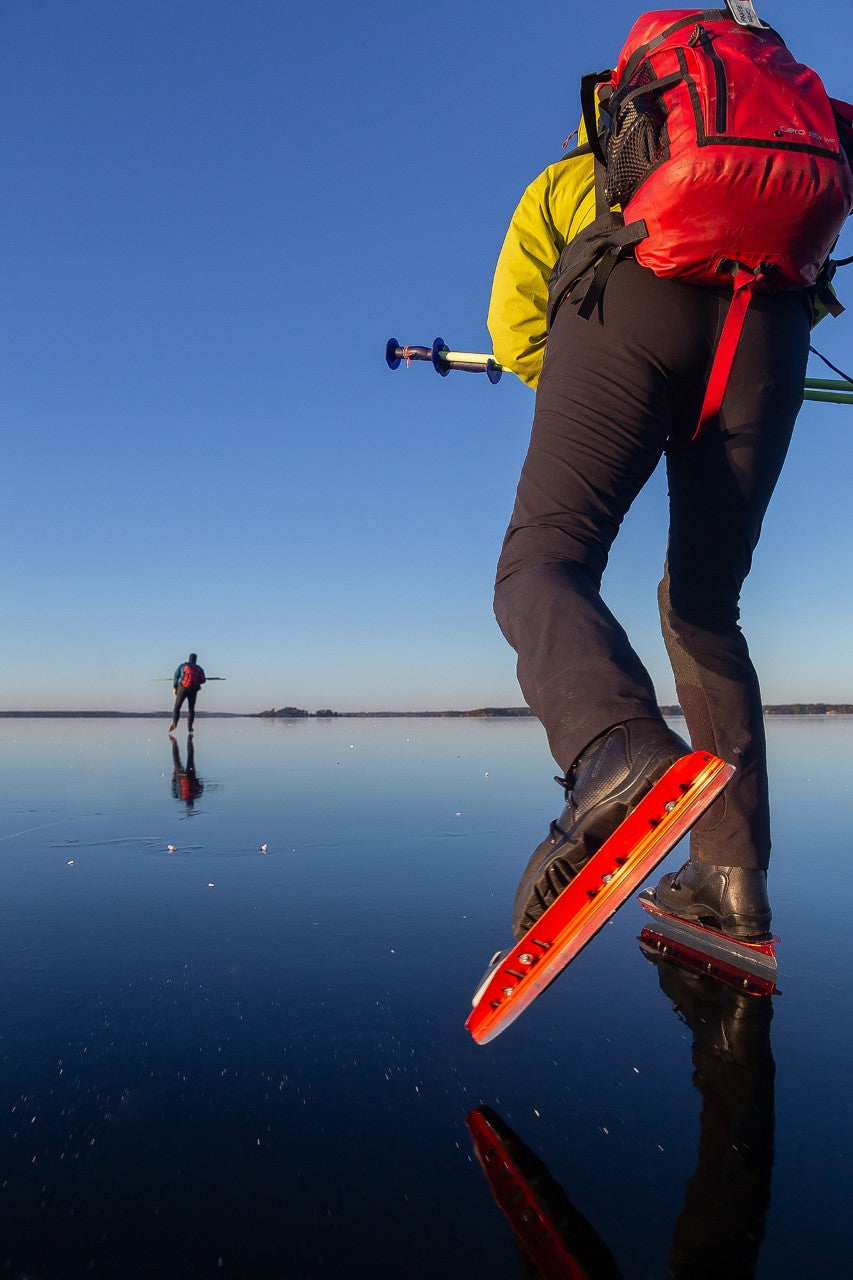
[
  {"x": 555, "y": 831},
  {"x": 675, "y": 882}
]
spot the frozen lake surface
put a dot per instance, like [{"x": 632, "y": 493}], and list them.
[{"x": 219, "y": 1061}]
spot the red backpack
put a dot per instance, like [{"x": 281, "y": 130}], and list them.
[
  {"x": 727, "y": 148},
  {"x": 727, "y": 157},
  {"x": 193, "y": 676}
]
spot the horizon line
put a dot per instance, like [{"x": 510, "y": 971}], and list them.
[{"x": 295, "y": 713}]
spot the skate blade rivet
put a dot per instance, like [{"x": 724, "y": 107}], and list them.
[
  {"x": 670, "y": 805},
  {"x": 508, "y": 991},
  {"x": 605, "y": 879},
  {"x": 525, "y": 958}
]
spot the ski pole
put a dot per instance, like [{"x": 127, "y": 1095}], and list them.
[
  {"x": 832, "y": 390},
  {"x": 829, "y": 397},
  {"x": 444, "y": 361}
]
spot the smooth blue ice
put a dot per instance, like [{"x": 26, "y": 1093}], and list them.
[{"x": 222, "y": 1061}]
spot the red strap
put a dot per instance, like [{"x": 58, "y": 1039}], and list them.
[{"x": 718, "y": 379}]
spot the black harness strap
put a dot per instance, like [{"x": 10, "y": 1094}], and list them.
[
  {"x": 623, "y": 238},
  {"x": 589, "y": 84}
]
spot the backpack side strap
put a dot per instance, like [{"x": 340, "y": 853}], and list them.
[
  {"x": 589, "y": 84},
  {"x": 585, "y": 264},
  {"x": 718, "y": 379}
]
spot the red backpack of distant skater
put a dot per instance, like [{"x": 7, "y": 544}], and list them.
[
  {"x": 727, "y": 157},
  {"x": 193, "y": 676}
]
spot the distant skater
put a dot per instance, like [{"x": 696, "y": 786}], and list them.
[{"x": 188, "y": 679}]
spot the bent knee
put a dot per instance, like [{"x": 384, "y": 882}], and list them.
[{"x": 698, "y": 606}]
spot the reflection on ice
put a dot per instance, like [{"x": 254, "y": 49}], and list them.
[
  {"x": 722, "y": 1220},
  {"x": 247, "y": 1057}
]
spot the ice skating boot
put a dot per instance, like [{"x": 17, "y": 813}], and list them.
[
  {"x": 612, "y": 873},
  {"x": 607, "y": 781},
  {"x": 731, "y": 899}
]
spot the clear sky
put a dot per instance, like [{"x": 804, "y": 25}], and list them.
[{"x": 212, "y": 217}]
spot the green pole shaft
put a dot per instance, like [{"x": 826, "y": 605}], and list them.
[
  {"x": 829, "y": 384},
  {"x": 830, "y": 397}
]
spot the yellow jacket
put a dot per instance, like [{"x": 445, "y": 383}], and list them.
[{"x": 554, "y": 208}]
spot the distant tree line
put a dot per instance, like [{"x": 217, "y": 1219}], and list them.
[
  {"x": 483, "y": 713},
  {"x": 298, "y": 713},
  {"x": 291, "y": 713},
  {"x": 811, "y": 709}
]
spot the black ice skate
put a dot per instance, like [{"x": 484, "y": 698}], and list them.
[
  {"x": 731, "y": 899},
  {"x": 714, "y": 920}
]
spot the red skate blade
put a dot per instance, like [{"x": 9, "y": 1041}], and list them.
[
  {"x": 501, "y": 1156},
  {"x": 745, "y": 966},
  {"x": 589, "y": 900}
]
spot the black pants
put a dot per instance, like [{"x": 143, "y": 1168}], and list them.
[
  {"x": 190, "y": 695},
  {"x": 613, "y": 389}
]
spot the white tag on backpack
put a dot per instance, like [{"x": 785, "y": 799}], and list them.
[{"x": 743, "y": 12}]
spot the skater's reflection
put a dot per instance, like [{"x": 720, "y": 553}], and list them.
[
  {"x": 186, "y": 785},
  {"x": 554, "y": 1241},
  {"x": 721, "y": 1224},
  {"x": 727, "y": 1198}
]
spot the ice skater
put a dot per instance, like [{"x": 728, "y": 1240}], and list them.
[
  {"x": 625, "y": 380},
  {"x": 187, "y": 680}
]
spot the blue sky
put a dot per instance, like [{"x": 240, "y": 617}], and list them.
[{"x": 212, "y": 218}]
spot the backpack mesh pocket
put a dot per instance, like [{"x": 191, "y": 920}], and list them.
[{"x": 638, "y": 139}]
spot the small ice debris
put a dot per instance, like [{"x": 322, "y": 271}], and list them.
[
  {"x": 486, "y": 774},
  {"x": 393, "y": 952},
  {"x": 170, "y": 848},
  {"x": 263, "y": 848},
  {"x": 536, "y": 1113},
  {"x": 211, "y": 885},
  {"x": 636, "y": 1070},
  {"x": 459, "y": 813},
  {"x": 70, "y": 862}
]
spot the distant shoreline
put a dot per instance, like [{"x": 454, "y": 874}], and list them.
[{"x": 480, "y": 713}]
